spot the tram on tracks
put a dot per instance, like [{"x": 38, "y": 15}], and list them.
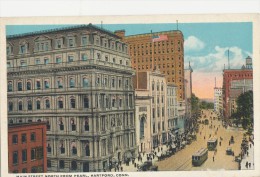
[
  {"x": 200, "y": 157},
  {"x": 212, "y": 143}
]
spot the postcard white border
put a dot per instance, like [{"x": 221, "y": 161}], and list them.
[{"x": 254, "y": 18}]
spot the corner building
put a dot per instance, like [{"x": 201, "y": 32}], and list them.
[
  {"x": 79, "y": 81},
  {"x": 166, "y": 55},
  {"x": 151, "y": 110},
  {"x": 26, "y": 148}
]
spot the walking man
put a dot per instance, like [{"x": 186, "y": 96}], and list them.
[{"x": 213, "y": 159}]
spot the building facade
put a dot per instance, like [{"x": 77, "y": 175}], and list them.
[
  {"x": 151, "y": 110},
  {"x": 79, "y": 80},
  {"x": 237, "y": 88},
  {"x": 166, "y": 55},
  {"x": 218, "y": 103},
  {"x": 27, "y": 148},
  {"x": 229, "y": 75},
  {"x": 172, "y": 108}
]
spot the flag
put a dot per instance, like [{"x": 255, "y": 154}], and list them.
[{"x": 162, "y": 37}]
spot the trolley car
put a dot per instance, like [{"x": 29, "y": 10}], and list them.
[
  {"x": 212, "y": 144},
  {"x": 199, "y": 157}
]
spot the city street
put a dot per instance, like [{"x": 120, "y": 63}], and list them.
[{"x": 182, "y": 159}]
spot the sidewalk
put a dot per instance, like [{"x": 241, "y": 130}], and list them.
[
  {"x": 132, "y": 168},
  {"x": 249, "y": 158}
]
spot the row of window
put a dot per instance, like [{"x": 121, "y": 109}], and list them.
[
  {"x": 85, "y": 83},
  {"x": 158, "y": 112},
  {"x": 45, "y": 45},
  {"x": 158, "y": 127},
  {"x": 101, "y": 101},
  {"x": 35, "y": 154},
  {"x": 70, "y": 59},
  {"x": 61, "y": 164},
  {"x": 149, "y": 44},
  {"x": 143, "y": 53},
  {"x": 34, "y": 169},
  {"x": 15, "y": 138}
]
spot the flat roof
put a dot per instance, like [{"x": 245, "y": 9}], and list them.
[
  {"x": 61, "y": 29},
  {"x": 200, "y": 152}
]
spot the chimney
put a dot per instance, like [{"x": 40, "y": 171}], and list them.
[{"x": 120, "y": 33}]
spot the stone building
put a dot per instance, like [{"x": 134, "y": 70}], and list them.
[
  {"x": 172, "y": 108},
  {"x": 218, "y": 103},
  {"x": 79, "y": 81},
  {"x": 151, "y": 109}
]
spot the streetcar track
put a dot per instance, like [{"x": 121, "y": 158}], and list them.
[{"x": 185, "y": 164}]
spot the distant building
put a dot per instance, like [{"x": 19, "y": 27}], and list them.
[
  {"x": 237, "y": 88},
  {"x": 27, "y": 148},
  {"x": 151, "y": 111},
  {"x": 163, "y": 50},
  {"x": 229, "y": 76},
  {"x": 218, "y": 103},
  {"x": 79, "y": 80},
  {"x": 172, "y": 108}
]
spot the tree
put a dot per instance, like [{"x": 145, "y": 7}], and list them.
[
  {"x": 194, "y": 103},
  {"x": 245, "y": 110}
]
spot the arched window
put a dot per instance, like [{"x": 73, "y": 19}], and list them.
[
  {"x": 20, "y": 105},
  {"x": 60, "y": 103},
  {"x": 10, "y": 86},
  {"x": 59, "y": 83},
  {"x": 74, "y": 148},
  {"x": 48, "y": 126},
  {"x": 72, "y": 83},
  {"x": 47, "y": 104},
  {"x": 29, "y": 105},
  {"x": 142, "y": 127},
  {"x": 86, "y": 102},
  {"x": 49, "y": 148},
  {"x": 38, "y": 84},
  {"x": 10, "y": 106},
  {"x": 87, "y": 149},
  {"x": 46, "y": 84},
  {"x": 62, "y": 148},
  {"x": 86, "y": 126},
  {"x": 74, "y": 165},
  {"x": 20, "y": 86},
  {"x": 28, "y": 85},
  {"x": 73, "y": 124},
  {"x": 61, "y": 124},
  {"x": 38, "y": 104},
  {"x": 72, "y": 102},
  {"x": 85, "y": 82}
]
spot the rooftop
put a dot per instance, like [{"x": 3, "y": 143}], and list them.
[{"x": 61, "y": 29}]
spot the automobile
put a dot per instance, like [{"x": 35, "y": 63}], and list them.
[
  {"x": 238, "y": 159},
  {"x": 154, "y": 168},
  {"x": 229, "y": 151},
  {"x": 145, "y": 166}
]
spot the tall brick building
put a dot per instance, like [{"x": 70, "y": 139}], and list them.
[
  {"x": 231, "y": 75},
  {"x": 27, "y": 148},
  {"x": 166, "y": 55}
]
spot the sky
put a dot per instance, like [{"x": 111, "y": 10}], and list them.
[{"x": 206, "y": 47}]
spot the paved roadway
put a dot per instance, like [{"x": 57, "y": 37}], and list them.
[{"x": 182, "y": 159}]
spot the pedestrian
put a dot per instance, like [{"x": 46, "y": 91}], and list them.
[
  {"x": 250, "y": 145},
  {"x": 247, "y": 153},
  {"x": 229, "y": 142},
  {"x": 213, "y": 159},
  {"x": 204, "y": 137},
  {"x": 220, "y": 143},
  {"x": 246, "y": 164},
  {"x": 249, "y": 165},
  {"x": 121, "y": 168}
]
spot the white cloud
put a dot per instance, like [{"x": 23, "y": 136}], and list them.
[
  {"x": 193, "y": 43},
  {"x": 214, "y": 62}
]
